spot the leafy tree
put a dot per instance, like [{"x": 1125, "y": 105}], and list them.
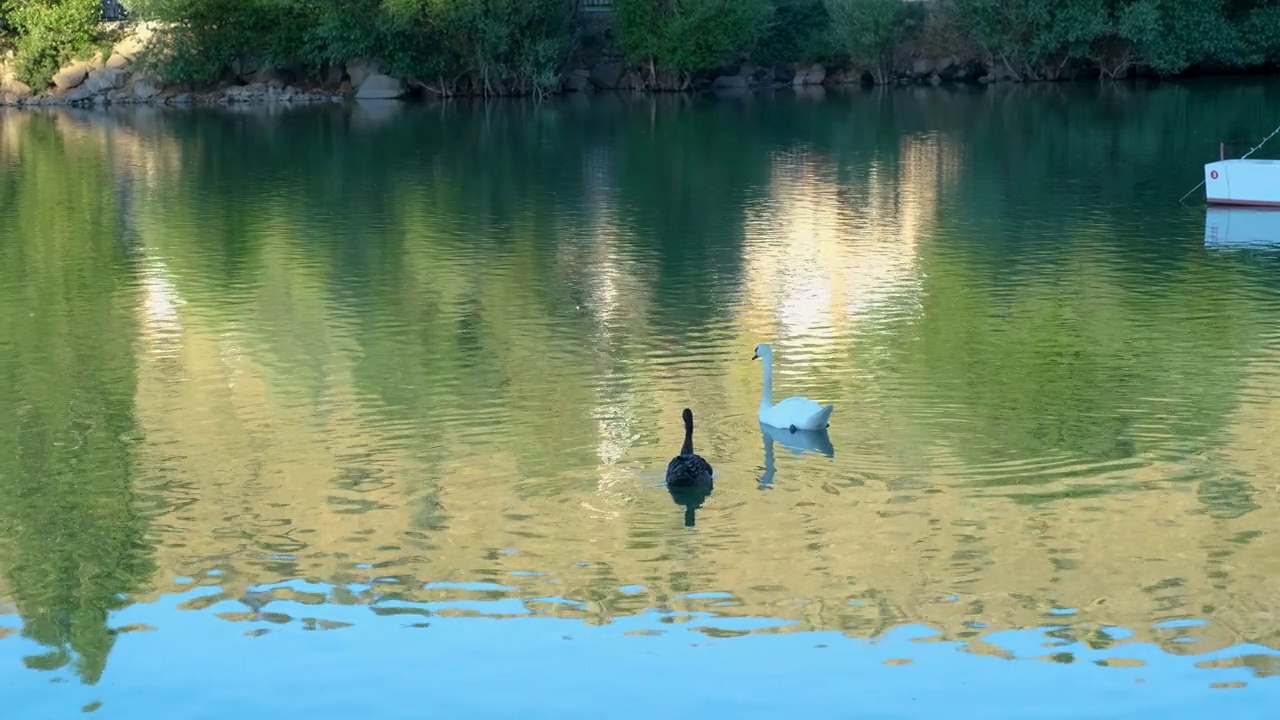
[
  {"x": 688, "y": 35},
  {"x": 798, "y": 31},
  {"x": 49, "y": 33},
  {"x": 869, "y": 30},
  {"x": 1260, "y": 29},
  {"x": 508, "y": 44}
]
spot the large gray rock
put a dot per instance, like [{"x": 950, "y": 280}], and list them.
[
  {"x": 131, "y": 45},
  {"x": 921, "y": 68},
  {"x": 76, "y": 94},
  {"x": 380, "y": 87},
  {"x": 359, "y": 70},
  {"x": 144, "y": 89},
  {"x": 71, "y": 76},
  {"x": 245, "y": 93},
  {"x": 730, "y": 82},
  {"x": 812, "y": 75},
  {"x": 263, "y": 75},
  {"x": 10, "y": 85},
  {"x": 607, "y": 75},
  {"x": 631, "y": 80},
  {"x": 106, "y": 79},
  {"x": 578, "y": 81}
]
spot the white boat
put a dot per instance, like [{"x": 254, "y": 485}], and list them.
[
  {"x": 1230, "y": 228},
  {"x": 1254, "y": 183}
]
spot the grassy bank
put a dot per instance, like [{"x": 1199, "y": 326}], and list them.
[{"x": 531, "y": 46}]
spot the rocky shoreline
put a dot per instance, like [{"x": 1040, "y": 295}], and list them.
[
  {"x": 121, "y": 78},
  {"x": 118, "y": 79},
  {"x": 114, "y": 81}
]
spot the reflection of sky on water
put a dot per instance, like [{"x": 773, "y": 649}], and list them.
[{"x": 507, "y": 657}]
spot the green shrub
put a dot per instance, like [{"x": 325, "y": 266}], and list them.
[
  {"x": 869, "y": 31},
  {"x": 1260, "y": 28},
  {"x": 49, "y": 33},
  {"x": 516, "y": 44},
  {"x": 799, "y": 31},
  {"x": 688, "y": 35},
  {"x": 520, "y": 42},
  {"x": 200, "y": 37}
]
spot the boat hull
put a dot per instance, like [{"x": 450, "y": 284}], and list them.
[{"x": 1243, "y": 183}]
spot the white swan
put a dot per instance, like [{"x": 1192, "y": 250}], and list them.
[{"x": 794, "y": 413}]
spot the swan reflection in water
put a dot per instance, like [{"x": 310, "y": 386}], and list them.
[
  {"x": 691, "y": 498},
  {"x": 798, "y": 442}
]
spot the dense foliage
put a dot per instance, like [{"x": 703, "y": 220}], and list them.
[
  {"x": 495, "y": 44},
  {"x": 688, "y": 35},
  {"x": 47, "y": 33},
  {"x": 505, "y": 46},
  {"x": 868, "y": 31},
  {"x": 1034, "y": 38}
]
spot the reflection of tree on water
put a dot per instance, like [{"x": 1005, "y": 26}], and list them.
[
  {"x": 1227, "y": 498},
  {"x": 72, "y": 537}
]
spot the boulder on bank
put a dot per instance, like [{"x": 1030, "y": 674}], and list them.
[
  {"x": 360, "y": 69},
  {"x": 71, "y": 76},
  {"x": 729, "y": 83},
  {"x": 245, "y": 93},
  {"x": 579, "y": 80},
  {"x": 106, "y": 79},
  {"x": 847, "y": 75},
  {"x": 632, "y": 80},
  {"x": 75, "y": 95},
  {"x": 12, "y": 87},
  {"x": 144, "y": 89},
  {"x": 607, "y": 75},
  {"x": 380, "y": 87},
  {"x": 812, "y": 75}
]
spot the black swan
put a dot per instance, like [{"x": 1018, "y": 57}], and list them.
[{"x": 688, "y": 469}]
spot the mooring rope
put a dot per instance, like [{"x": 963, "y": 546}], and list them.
[{"x": 1265, "y": 140}]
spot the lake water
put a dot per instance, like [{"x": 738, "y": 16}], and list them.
[{"x": 364, "y": 412}]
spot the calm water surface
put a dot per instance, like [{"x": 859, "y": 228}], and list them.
[{"x": 363, "y": 412}]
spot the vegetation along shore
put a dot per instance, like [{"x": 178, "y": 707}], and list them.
[{"x": 191, "y": 51}]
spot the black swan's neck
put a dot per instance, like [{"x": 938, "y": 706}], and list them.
[{"x": 687, "y": 448}]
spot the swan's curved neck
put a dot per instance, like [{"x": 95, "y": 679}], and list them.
[
  {"x": 687, "y": 448},
  {"x": 766, "y": 397}
]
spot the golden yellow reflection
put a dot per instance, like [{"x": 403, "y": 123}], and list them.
[{"x": 278, "y": 455}]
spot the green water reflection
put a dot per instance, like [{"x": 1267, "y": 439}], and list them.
[{"x": 452, "y": 343}]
